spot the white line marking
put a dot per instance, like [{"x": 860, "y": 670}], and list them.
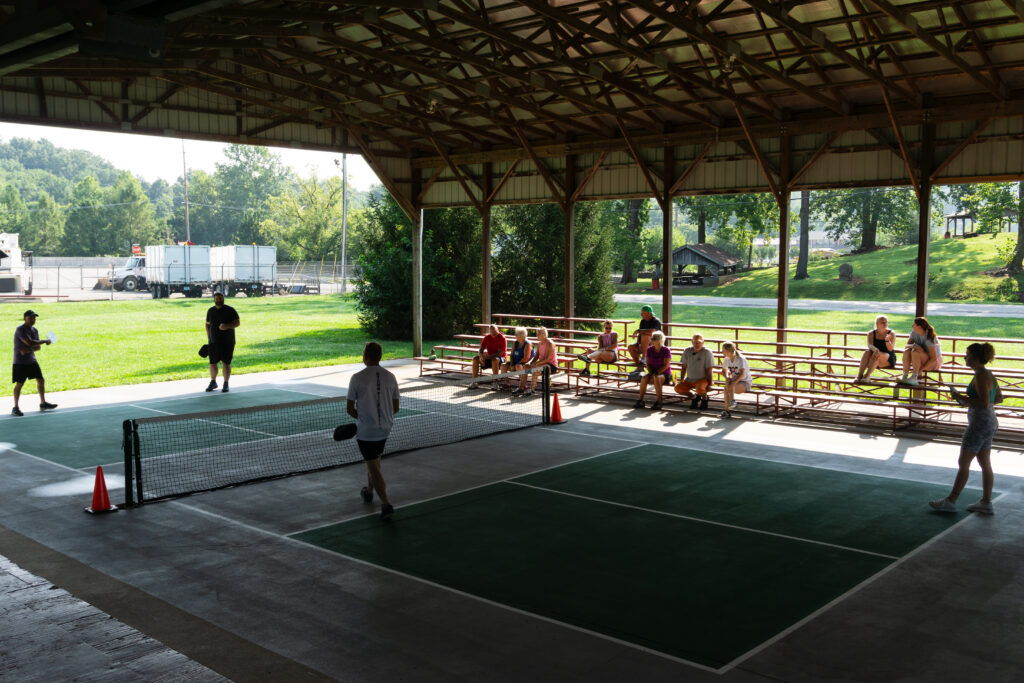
[
  {"x": 477, "y": 598},
  {"x": 832, "y": 603},
  {"x": 162, "y": 412},
  {"x": 702, "y": 521}
]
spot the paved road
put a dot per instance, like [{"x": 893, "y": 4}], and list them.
[{"x": 887, "y": 307}]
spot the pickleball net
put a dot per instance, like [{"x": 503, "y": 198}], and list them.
[{"x": 174, "y": 455}]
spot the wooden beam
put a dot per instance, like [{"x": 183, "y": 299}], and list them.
[
  {"x": 556, "y": 192},
  {"x": 907, "y": 21},
  {"x": 371, "y": 160},
  {"x": 587, "y": 178},
  {"x": 501, "y": 183},
  {"x": 814, "y": 158},
  {"x": 924, "y": 219},
  {"x": 903, "y": 146},
  {"x": 433, "y": 179},
  {"x": 658, "y": 193},
  {"x": 760, "y": 158},
  {"x": 458, "y": 176},
  {"x": 689, "y": 169},
  {"x": 960, "y": 148}
]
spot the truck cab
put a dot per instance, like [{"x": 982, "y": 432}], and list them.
[{"x": 132, "y": 275}]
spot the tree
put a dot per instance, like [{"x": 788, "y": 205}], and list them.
[
  {"x": 805, "y": 235},
  {"x": 1015, "y": 265},
  {"x": 205, "y": 219},
  {"x": 859, "y": 214},
  {"x": 756, "y": 216},
  {"x": 250, "y": 176},
  {"x": 43, "y": 231},
  {"x": 707, "y": 210},
  {"x": 306, "y": 225},
  {"x": 86, "y": 222},
  {"x": 451, "y": 270},
  {"x": 627, "y": 218},
  {"x": 13, "y": 212},
  {"x": 528, "y": 264},
  {"x": 129, "y": 215}
]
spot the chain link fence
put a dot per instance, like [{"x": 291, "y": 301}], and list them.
[{"x": 93, "y": 278}]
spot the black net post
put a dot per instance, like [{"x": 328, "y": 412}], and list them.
[
  {"x": 545, "y": 393},
  {"x": 129, "y": 452}
]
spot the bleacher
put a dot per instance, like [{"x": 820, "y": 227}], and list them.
[{"x": 810, "y": 375}]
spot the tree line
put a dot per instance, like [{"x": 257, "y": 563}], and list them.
[{"x": 72, "y": 203}]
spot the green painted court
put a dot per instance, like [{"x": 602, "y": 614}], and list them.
[{"x": 695, "y": 555}]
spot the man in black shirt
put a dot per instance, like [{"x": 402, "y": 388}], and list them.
[
  {"x": 221, "y": 322},
  {"x": 648, "y": 325}
]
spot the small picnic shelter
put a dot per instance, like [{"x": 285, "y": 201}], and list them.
[{"x": 715, "y": 260}]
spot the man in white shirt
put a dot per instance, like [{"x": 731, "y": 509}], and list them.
[{"x": 373, "y": 402}]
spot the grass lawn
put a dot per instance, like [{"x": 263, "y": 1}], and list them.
[
  {"x": 105, "y": 343},
  {"x": 957, "y": 271}
]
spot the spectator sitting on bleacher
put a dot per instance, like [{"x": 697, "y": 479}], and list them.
[
  {"x": 544, "y": 355},
  {"x": 492, "y": 351},
  {"x": 737, "y": 376},
  {"x": 881, "y": 352},
  {"x": 648, "y": 325},
  {"x": 697, "y": 366},
  {"x": 658, "y": 360},
  {"x": 607, "y": 349},
  {"x": 923, "y": 352},
  {"x": 522, "y": 354}
]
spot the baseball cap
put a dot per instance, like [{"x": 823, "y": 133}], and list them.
[
  {"x": 29, "y": 312},
  {"x": 646, "y": 309}
]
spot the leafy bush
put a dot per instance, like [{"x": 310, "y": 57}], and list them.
[{"x": 451, "y": 271}]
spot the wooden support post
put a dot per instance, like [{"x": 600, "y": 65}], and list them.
[
  {"x": 569, "y": 209},
  {"x": 666, "y": 237},
  {"x": 782, "y": 198},
  {"x": 924, "y": 195},
  {"x": 417, "y": 266},
  {"x": 485, "y": 238}
]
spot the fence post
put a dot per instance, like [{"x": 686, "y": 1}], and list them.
[{"x": 58, "y": 282}]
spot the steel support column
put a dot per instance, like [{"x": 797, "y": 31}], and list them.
[
  {"x": 924, "y": 195},
  {"x": 666, "y": 238}
]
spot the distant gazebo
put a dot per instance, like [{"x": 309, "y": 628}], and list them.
[
  {"x": 715, "y": 260},
  {"x": 959, "y": 219}
]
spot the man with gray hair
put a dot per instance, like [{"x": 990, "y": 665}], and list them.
[{"x": 698, "y": 364}]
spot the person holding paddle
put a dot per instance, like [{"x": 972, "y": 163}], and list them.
[
  {"x": 25, "y": 367},
  {"x": 221, "y": 321},
  {"x": 372, "y": 403}
]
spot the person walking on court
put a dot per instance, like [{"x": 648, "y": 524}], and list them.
[
  {"x": 25, "y": 366},
  {"x": 982, "y": 394},
  {"x": 373, "y": 402},
  {"x": 221, "y": 322}
]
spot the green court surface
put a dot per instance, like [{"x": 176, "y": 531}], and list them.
[
  {"x": 87, "y": 437},
  {"x": 698, "y": 556}
]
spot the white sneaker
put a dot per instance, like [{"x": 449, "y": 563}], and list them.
[
  {"x": 732, "y": 406},
  {"x": 725, "y": 415},
  {"x": 981, "y": 508},
  {"x": 912, "y": 381},
  {"x": 943, "y": 505}
]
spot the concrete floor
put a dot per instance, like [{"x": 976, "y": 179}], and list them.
[{"x": 213, "y": 577}]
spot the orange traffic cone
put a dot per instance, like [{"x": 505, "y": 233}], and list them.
[
  {"x": 100, "y": 499},
  {"x": 556, "y": 413}
]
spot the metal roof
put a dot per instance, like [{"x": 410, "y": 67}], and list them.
[
  {"x": 706, "y": 253},
  {"x": 465, "y": 103}
]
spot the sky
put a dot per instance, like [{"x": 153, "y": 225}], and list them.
[{"x": 151, "y": 157}]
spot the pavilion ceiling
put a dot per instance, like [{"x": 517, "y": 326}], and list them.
[{"x": 433, "y": 91}]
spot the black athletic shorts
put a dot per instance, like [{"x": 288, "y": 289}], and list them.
[
  {"x": 21, "y": 372},
  {"x": 221, "y": 353},
  {"x": 371, "y": 450}
]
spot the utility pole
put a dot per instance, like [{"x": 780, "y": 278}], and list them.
[
  {"x": 184, "y": 166},
  {"x": 344, "y": 216}
]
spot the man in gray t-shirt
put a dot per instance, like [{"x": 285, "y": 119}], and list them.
[
  {"x": 372, "y": 401},
  {"x": 698, "y": 365}
]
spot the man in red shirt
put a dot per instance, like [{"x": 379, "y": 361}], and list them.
[{"x": 492, "y": 351}]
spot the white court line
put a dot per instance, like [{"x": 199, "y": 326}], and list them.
[
  {"x": 826, "y": 607},
  {"x": 449, "y": 589},
  {"x": 702, "y": 520}
]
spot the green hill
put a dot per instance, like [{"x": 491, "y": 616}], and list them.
[{"x": 958, "y": 272}]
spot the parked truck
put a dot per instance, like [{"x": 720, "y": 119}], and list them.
[
  {"x": 250, "y": 269},
  {"x": 15, "y": 266},
  {"x": 131, "y": 276},
  {"x": 181, "y": 268}
]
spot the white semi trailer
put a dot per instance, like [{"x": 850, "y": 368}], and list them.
[
  {"x": 15, "y": 266},
  {"x": 250, "y": 269},
  {"x": 177, "y": 268}
]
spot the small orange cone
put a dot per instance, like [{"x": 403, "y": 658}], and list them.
[
  {"x": 100, "y": 499},
  {"x": 556, "y": 413}
]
